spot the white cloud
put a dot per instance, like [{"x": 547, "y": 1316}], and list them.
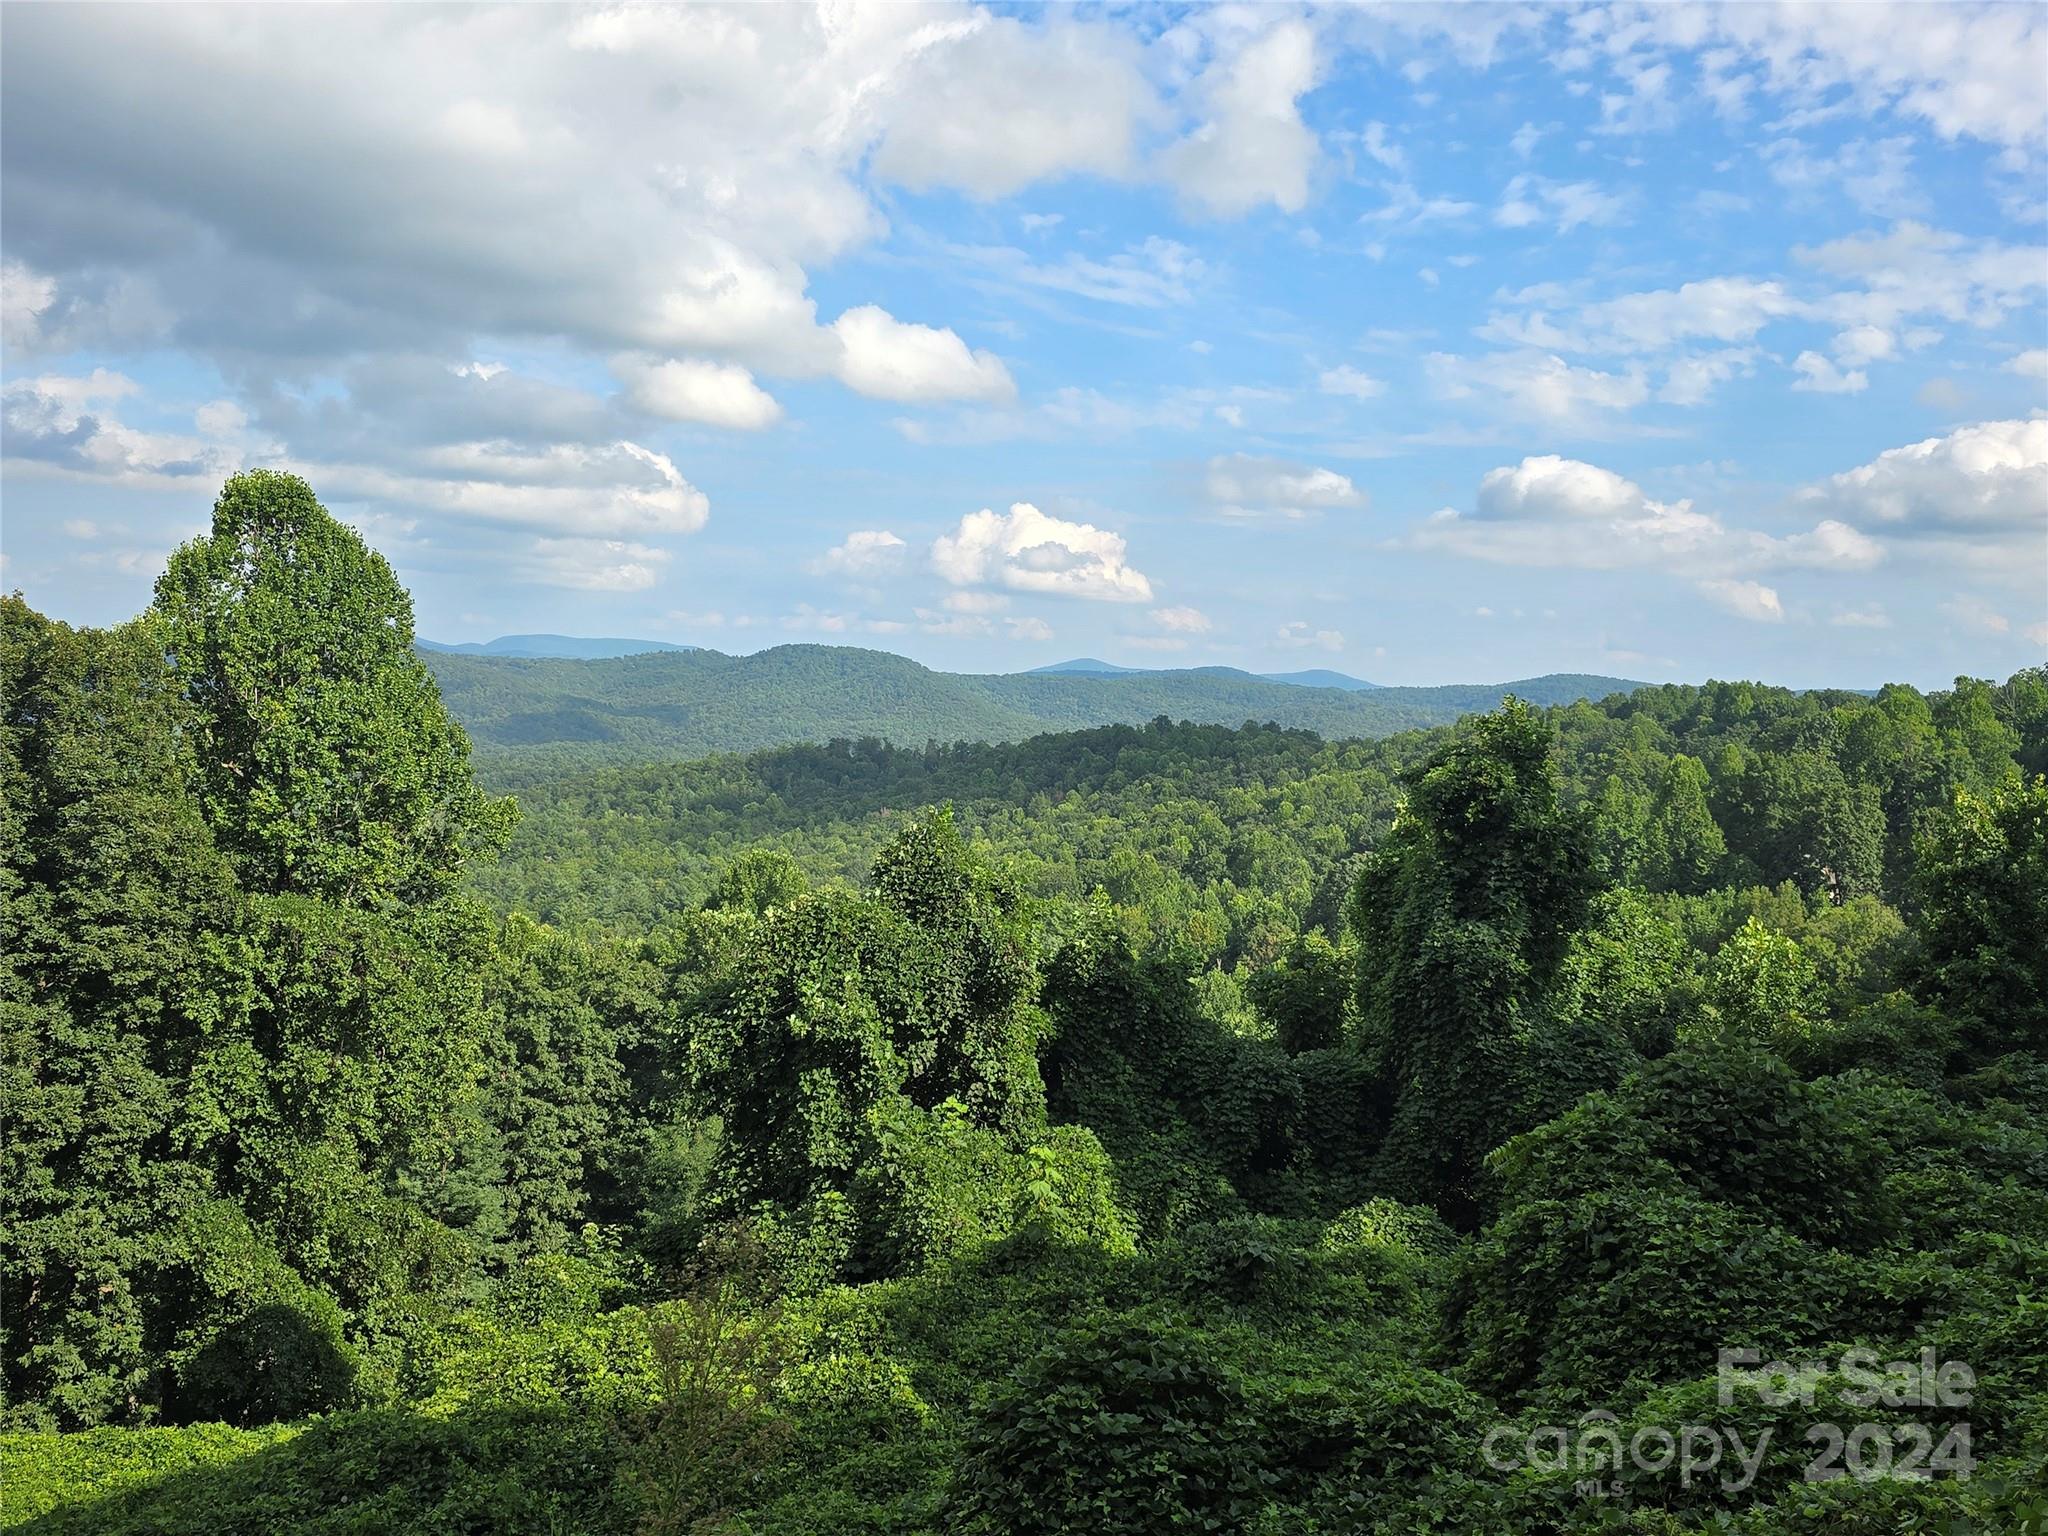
[
  {"x": 1299, "y": 635},
  {"x": 866, "y": 552},
  {"x": 1974, "y": 613},
  {"x": 1875, "y": 175},
  {"x": 1862, "y": 344},
  {"x": 2030, "y": 364},
  {"x": 1346, "y": 380},
  {"x": 1530, "y": 199},
  {"x": 65, "y": 425},
  {"x": 1151, "y": 274},
  {"x": 1870, "y": 616},
  {"x": 1028, "y": 627},
  {"x": 1745, "y": 599},
  {"x": 1001, "y": 104},
  {"x": 594, "y": 565},
  {"x": 692, "y": 389},
  {"x": 1983, "y": 488},
  {"x": 1693, "y": 380},
  {"x": 220, "y": 418},
  {"x": 1184, "y": 621},
  {"x": 974, "y": 602},
  {"x": 81, "y": 528},
  {"x": 888, "y": 359},
  {"x": 1242, "y": 485},
  {"x": 1253, "y": 147},
  {"x": 1912, "y": 269},
  {"x": 1819, "y": 375},
  {"x": 1537, "y": 387},
  {"x": 25, "y": 295},
  {"x": 1028, "y": 551},
  {"x": 1976, "y": 72},
  {"x": 1723, "y": 309},
  {"x": 1558, "y": 512}
]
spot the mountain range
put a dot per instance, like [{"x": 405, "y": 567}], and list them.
[
  {"x": 685, "y": 703},
  {"x": 1320, "y": 677}
]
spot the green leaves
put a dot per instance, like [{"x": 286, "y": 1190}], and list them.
[{"x": 327, "y": 765}]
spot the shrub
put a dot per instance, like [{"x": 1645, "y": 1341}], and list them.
[{"x": 1120, "y": 1426}]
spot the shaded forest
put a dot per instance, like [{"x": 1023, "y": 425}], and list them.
[{"x": 1139, "y": 1129}]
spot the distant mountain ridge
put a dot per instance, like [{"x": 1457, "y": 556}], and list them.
[
  {"x": 559, "y": 647},
  {"x": 1089, "y": 666},
  {"x": 677, "y": 704}
]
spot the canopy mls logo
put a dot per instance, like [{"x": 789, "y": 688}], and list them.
[{"x": 1593, "y": 1451}]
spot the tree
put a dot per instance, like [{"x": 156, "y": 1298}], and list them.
[
  {"x": 327, "y": 765},
  {"x": 121, "y": 929},
  {"x": 1462, "y": 919},
  {"x": 1685, "y": 848},
  {"x": 1983, "y": 918},
  {"x": 1303, "y": 993}
]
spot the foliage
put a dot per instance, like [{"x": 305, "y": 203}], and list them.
[{"x": 1182, "y": 1128}]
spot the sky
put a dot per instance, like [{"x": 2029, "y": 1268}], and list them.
[{"x": 1427, "y": 343}]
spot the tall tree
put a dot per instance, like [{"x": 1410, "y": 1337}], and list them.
[
  {"x": 328, "y": 766},
  {"x": 1461, "y": 920}
]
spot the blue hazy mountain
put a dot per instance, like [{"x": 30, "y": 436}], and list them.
[
  {"x": 1320, "y": 677},
  {"x": 1089, "y": 666},
  {"x": 565, "y": 647}
]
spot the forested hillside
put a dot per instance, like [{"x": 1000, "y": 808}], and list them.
[
  {"x": 535, "y": 715},
  {"x": 1192, "y": 1129}
]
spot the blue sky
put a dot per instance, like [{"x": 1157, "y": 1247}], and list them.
[{"x": 1427, "y": 343}]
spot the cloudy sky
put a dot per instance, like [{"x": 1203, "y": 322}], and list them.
[{"x": 1426, "y": 343}]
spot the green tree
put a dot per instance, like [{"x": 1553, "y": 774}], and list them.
[
  {"x": 1462, "y": 920},
  {"x": 327, "y": 765},
  {"x": 124, "y": 953},
  {"x": 1685, "y": 848},
  {"x": 1983, "y": 916}
]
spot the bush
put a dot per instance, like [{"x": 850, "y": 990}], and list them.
[{"x": 1121, "y": 1426}]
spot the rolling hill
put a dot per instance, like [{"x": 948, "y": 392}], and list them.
[{"x": 677, "y": 704}]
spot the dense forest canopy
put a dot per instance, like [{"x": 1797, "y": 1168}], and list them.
[
  {"x": 529, "y": 715},
  {"x": 1137, "y": 1129}
]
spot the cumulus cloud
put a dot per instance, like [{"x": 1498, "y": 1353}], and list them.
[
  {"x": 1028, "y": 551},
  {"x": 1243, "y": 485},
  {"x": 692, "y": 389},
  {"x": 1252, "y": 146},
  {"x": 67, "y": 425},
  {"x": 865, "y": 553},
  {"x": 887, "y": 359},
  {"x": 1980, "y": 490},
  {"x": 2030, "y": 364},
  {"x": 1552, "y": 511}
]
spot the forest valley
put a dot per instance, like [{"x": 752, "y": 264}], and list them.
[{"x": 1141, "y": 1129}]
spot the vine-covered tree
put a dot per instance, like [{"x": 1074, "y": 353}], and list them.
[{"x": 1461, "y": 921}]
